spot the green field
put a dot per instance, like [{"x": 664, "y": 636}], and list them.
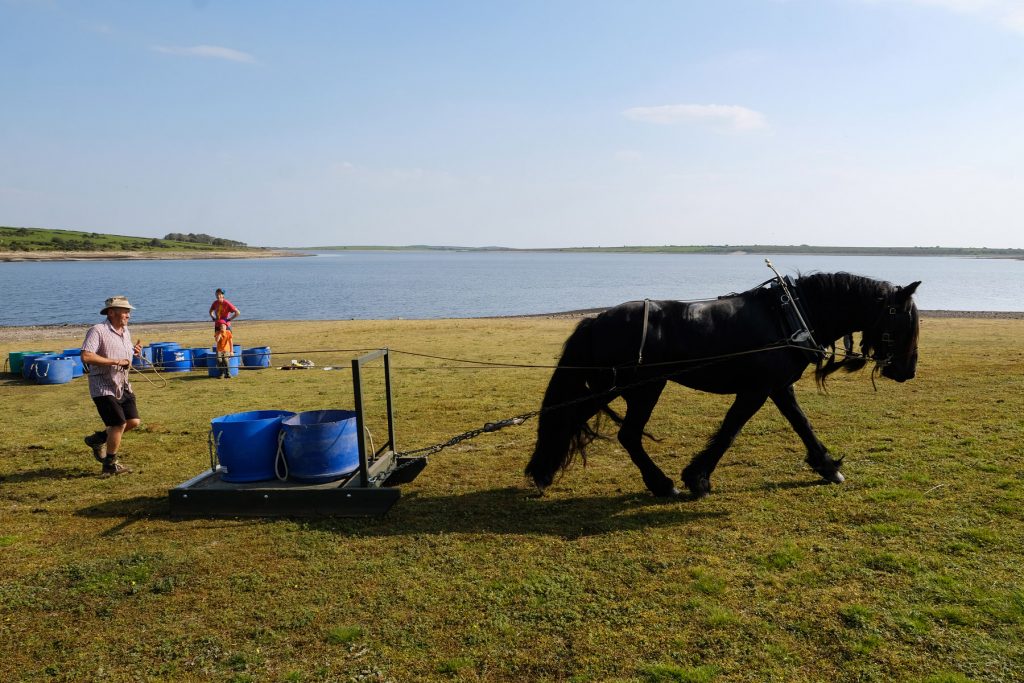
[
  {"x": 45, "y": 239},
  {"x": 911, "y": 571}
]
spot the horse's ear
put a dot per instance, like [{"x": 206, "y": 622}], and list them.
[{"x": 908, "y": 291}]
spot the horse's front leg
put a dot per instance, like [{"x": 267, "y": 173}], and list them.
[
  {"x": 817, "y": 455},
  {"x": 640, "y": 404},
  {"x": 697, "y": 475}
]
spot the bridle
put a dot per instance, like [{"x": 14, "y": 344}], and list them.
[{"x": 888, "y": 320}]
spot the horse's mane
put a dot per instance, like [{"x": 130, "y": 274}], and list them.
[{"x": 862, "y": 296}]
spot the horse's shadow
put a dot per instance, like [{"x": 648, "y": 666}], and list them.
[
  {"x": 496, "y": 511},
  {"x": 516, "y": 511}
]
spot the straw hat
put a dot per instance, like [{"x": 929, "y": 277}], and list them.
[{"x": 119, "y": 301}]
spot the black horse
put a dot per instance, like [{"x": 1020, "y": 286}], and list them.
[{"x": 754, "y": 345}]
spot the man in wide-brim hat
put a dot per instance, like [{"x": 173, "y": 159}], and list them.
[{"x": 107, "y": 351}]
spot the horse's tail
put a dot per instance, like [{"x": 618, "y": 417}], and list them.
[{"x": 563, "y": 431}]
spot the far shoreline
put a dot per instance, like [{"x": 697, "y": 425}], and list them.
[{"x": 49, "y": 256}]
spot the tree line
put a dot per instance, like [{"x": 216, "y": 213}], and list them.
[{"x": 202, "y": 238}]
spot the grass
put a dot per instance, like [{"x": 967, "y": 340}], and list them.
[{"x": 908, "y": 572}]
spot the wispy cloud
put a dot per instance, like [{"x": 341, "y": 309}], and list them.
[
  {"x": 730, "y": 116},
  {"x": 1009, "y": 13},
  {"x": 207, "y": 52}
]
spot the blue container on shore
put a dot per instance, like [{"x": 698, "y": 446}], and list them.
[
  {"x": 247, "y": 443},
  {"x": 144, "y": 361},
  {"x": 256, "y": 357},
  {"x": 158, "y": 349},
  {"x": 199, "y": 358},
  {"x": 198, "y": 351},
  {"x": 16, "y": 360},
  {"x": 176, "y": 359},
  {"x": 233, "y": 364},
  {"x": 321, "y": 445},
  {"x": 214, "y": 371},
  {"x": 29, "y": 358},
  {"x": 76, "y": 356},
  {"x": 53, "y": 369}
]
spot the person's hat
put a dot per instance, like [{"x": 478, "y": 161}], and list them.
[
  {"x": 118, "y": 301},
  {"x": 223, "y": 322}
]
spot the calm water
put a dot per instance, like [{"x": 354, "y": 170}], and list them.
[{"x": 341, "y": 285}]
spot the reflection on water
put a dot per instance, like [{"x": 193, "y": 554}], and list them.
[{"x": 368, "y": 284}]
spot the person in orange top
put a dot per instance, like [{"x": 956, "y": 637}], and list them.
[{"x": 223, "y": 337}]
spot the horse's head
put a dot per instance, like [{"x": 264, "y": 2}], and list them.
[{"x": 892, "y": 340}]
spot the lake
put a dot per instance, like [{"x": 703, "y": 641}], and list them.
[{"x": 442, "y": 284}]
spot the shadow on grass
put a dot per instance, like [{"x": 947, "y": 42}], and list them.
[
  {"x": 521, "y": 511},
  {"x": 49, "y": 473},
  {"x": 496, "y": 511},
  {"x": 787, "y": 485}
]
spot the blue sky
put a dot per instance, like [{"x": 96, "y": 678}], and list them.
[{"x": 519, "y": 124}]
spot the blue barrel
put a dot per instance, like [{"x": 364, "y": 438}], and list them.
[
  {"x": 321, "y": 445},
  {"x": 144, "y": 360},
  {"x": 158, "y": 351},
  {"x": 27, "y": 360},
  {"x": 247, "y": 443},
  {"x": 214, "y": 371},
  {"x": 76, "y": 356},
  {"x": 199, "y": 358},
  {"x": 16, "y": 360},
  {"x": 53, "y": 369},
  {"x": 198, "y": 351},
  {"x": 256, "y": 357},
  {"x": 175, "y": 359}
]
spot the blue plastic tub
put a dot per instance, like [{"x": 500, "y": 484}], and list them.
[
  {"x": 76, "y": 356},
  {"x": 29, "y": 358},
  {"x": 247, "y": 443},
  {"x": 256, "y": 357},
  {"x": 53, "y": 369},
  {"x": 321, "y": 445},
  {"x": 214, "y": 371}
]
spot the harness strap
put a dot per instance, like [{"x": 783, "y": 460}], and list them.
[
  {"x": 790, "y": 307},
  {"x": 643, "y": 336}
]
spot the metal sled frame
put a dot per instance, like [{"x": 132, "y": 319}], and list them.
[{"x": 369, "y": 491}]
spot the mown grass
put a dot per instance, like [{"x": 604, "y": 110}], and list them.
[{"x": 911, "y": 571}]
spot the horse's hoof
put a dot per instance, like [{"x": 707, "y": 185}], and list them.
[
  {"x": 699, "y": 485},
  {"x": 672, "y": 493},
  {"x": 835, "y": 477}
]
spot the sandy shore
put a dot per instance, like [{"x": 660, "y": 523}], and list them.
[
  {"x": 147, "y": 330},
  {"x": 139, "y": 255}
]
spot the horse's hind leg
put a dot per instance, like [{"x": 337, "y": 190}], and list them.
[
  {"x": 817, "y": 455},
  {"x": 697, "y": 475},
  {"x": 640, "y": 404}
]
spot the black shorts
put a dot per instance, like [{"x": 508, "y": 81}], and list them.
[{"x": 115, "y": 413}]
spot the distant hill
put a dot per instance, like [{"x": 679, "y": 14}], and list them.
[{"x": 47, "y": 239}]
